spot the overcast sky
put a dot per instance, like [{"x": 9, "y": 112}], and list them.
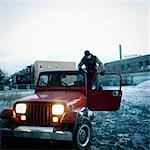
[{"x": 61, "y": 30}]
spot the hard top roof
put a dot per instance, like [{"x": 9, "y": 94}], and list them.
[{"x": 60, "y": 71}]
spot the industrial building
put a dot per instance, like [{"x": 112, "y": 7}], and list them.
[{"x": 133, "y": 70}]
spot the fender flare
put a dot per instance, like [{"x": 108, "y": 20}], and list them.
[{"x": 71, "y": 119}]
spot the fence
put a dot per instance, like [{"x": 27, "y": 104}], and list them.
[
  {"x": 23, "y": 86},
  {"x": 17, "y": 86}
]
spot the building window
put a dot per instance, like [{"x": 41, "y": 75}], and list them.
[
  {"x": 128, "y": 67},
  {"x": 147, "y": 64},
  {"x": 123, "y": 67},
  {"x": 40, "y": 66},
  {"x": 56, "y": 67},
  {"x": 140, "y": 65},
  {"x": 113, "y": 69}
]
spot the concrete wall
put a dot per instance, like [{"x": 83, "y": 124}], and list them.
[{"x": 135, "y": 78}]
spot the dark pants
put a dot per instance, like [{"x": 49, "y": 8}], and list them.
[{"x": 90, "y": 76}]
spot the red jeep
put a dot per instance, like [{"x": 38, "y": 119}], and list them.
[{"x": 61, "y": 108}]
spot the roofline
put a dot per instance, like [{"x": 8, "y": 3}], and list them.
[
  {"x": 54, "y": 61},
  {"x": 60, "y": 71},
  {"x": 127, "y": 59}
]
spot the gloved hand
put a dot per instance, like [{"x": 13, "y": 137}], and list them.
[{"x": 80, "y": 69}]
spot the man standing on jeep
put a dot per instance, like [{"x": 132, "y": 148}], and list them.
[{"x": 92, "y": 64}]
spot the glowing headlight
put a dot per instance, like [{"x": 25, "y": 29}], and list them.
[
  {"x": 21, "y": 108},
  {"x": 58, "y": 109}
]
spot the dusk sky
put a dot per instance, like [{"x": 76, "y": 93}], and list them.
[{"x": 60, "y": 30}]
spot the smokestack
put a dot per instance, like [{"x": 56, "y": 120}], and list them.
[{"x": 120, "y": 51}]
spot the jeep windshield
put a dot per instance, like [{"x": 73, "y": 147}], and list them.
[{"x": 61, "y": 79}]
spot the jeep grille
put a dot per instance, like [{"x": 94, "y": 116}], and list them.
[{"x": 38, "y": 114}]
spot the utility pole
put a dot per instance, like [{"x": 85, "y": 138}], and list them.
[{"x": 120, "y": 51}]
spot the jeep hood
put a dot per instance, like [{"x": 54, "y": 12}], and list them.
[{"x": 54, "y": 96}]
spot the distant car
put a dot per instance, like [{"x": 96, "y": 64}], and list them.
[{"x": 61, "y": 108}]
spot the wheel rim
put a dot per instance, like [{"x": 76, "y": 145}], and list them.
[{"x": 83, "y": 135}]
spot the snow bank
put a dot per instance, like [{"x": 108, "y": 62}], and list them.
[
  {"x": 137, "y": 94},
  {"x": 144, "y": 85},
  {"x": 7, "y": 97}
]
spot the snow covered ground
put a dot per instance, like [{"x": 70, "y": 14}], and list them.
[
  {"x": 126, "y": 129},
  {"x": 7, "y": 97}
]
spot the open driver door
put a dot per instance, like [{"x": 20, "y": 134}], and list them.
[{"x": 105, "y": 93}]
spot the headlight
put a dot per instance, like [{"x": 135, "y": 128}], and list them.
[
  {"x": 57, "y": 109},
  {"x": 21, "y": 108}
]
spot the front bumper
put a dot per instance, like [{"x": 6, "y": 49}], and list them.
[{"x": 33, "y": 132}]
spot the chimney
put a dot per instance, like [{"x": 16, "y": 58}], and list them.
[{"x": 120, "y": 51}]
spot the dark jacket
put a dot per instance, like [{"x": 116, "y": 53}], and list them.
[{"x": 91, "y": 64}]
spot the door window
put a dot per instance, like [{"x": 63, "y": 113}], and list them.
[{"x": 106, "y": 82}]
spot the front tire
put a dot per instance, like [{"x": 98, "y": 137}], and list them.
[{"x": 83, "y": 134}]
